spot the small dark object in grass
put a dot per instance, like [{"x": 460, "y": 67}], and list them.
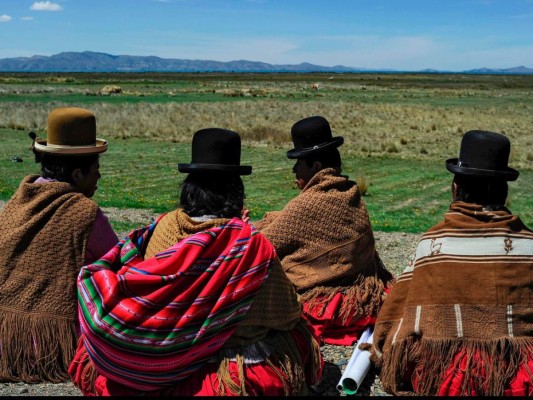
[{"x": 16, "y": 159}]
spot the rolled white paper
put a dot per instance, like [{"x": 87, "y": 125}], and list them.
[
  {"x": 358, "y": 366},
  {"x": 362, "y": 339}
]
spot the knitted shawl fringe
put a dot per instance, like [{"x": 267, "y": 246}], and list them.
[
  {"x": 490, "y": 365},
  {"x": 363, "y": 298},
  {"x": 285, "y": 361},
  {"x": 38, "y": 354}
]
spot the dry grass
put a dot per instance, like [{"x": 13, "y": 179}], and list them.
[
  {"x": 411, "y": 131},
  {"x": 412, "y": 117},
  {"x": 363, "y": 184}
]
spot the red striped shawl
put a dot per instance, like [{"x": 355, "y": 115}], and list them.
[{"x": 150, "y": 323}]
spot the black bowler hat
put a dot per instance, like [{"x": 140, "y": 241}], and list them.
[
  {"x": 483, "y": 154},
  {"x": 215, "y": 149},
  {"x": 312, "y": 135}
]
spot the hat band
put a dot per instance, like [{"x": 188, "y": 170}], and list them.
[
  {"x": 65, "y": 149},
  {"x": 66, "y": 146},
  {"x": 316, "y": 146},
  {"x": 461, "y": 164},
  {"x": 200, "y": 167}
]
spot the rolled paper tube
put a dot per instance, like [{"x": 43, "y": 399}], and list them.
[
  {"x": 357, "y": 373},
  {"x": 366, "y": 337}
]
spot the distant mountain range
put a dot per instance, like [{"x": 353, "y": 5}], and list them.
[{"x": 88, "y": 61}]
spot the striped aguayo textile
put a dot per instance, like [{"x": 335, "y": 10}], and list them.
[
  {"x": 467, "y": 292},
  {"x": 150, "y": 323}
]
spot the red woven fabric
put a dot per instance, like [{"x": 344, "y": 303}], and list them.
[
  {"x": 332, "y": 330},
  {"x": 261, "y": 379},
  {"x": 155, "y": 321},
  {"x": 455, "y": 377}
]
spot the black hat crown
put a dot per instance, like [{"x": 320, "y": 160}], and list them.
[
  {"x": 216, "y": 149},
  {"x": 312, "y": 135},
  {"x": 483, "y": 154}
]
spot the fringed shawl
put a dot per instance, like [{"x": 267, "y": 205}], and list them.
[
  {"x": 43, "y": 235},
  {"x": 325, "y": 242},
  {"x": 468, "y": 290},
  {"x": 150, "y": 323}
]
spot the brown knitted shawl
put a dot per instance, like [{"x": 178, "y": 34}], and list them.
[
  {"x": 43, "y": 231},
  {"x": 468, "y": 288},
  {"x": 276, "y": 305},
  {"x": 325, "y": 242}
]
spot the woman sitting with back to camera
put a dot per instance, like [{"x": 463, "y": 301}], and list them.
[{"x": 196, "y": 303}]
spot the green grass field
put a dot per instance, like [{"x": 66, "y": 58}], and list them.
[
  {"x": 427, "y": 89},
  {"x": 403, "y": 194},
  {"x": 398, "y": 129}
]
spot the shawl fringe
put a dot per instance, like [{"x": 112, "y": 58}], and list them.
[
  {"x": 363, "y": 298},
  {"x": 35, "y": 348},
  {"x": 284, "y": 359},
  {"x": 85, "y": 377},
  {"x": 488, "y": 366}
]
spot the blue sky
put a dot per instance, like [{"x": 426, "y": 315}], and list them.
[{"x": 376, "y": 34}]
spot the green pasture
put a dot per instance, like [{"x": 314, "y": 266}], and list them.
[
  {"x": 445, "y": 90},
  {"x": 403, "y": 195}
]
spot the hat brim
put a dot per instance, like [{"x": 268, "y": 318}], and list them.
[
  {"x": 239, "y": 169},
  {"x": 509, "y": 174},
  {"x": 335, "y": 142},
  {"x": 42, "y": 146}
]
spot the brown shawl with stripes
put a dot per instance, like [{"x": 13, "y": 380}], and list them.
[{"x": 468, "y": 288}]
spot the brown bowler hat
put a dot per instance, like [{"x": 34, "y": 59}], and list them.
[{"x": 71, "y": 131}]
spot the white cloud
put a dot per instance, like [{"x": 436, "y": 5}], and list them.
[
  {"x": 5, "y": 18},
  {"x": 26, "y": 18},
  {"x": 45, "y": 6},
  {"x": 350, "y": 51},
  {"x": 224, "y": 49},
  {"x": 503, "y": 57}
]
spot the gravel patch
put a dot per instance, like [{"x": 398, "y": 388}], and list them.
[{"x": 395, "y": 250}]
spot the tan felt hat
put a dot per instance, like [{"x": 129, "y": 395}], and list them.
[{"x": 71, "y": 131}]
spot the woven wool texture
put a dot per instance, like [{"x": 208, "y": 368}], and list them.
[
  {"x": 275, "y": 306},
  {"x": 240, "y": 261},
  {"x": 468, "y": 289},
  {"x": 323, "y": 236},
  {"x": 183, "y": 304},
  {"x": 44, "y": 229}
]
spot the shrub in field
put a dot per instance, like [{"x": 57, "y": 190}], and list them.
[
  {"x": 261, "y": 133},
  {"x": 363, "y": 185}
]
